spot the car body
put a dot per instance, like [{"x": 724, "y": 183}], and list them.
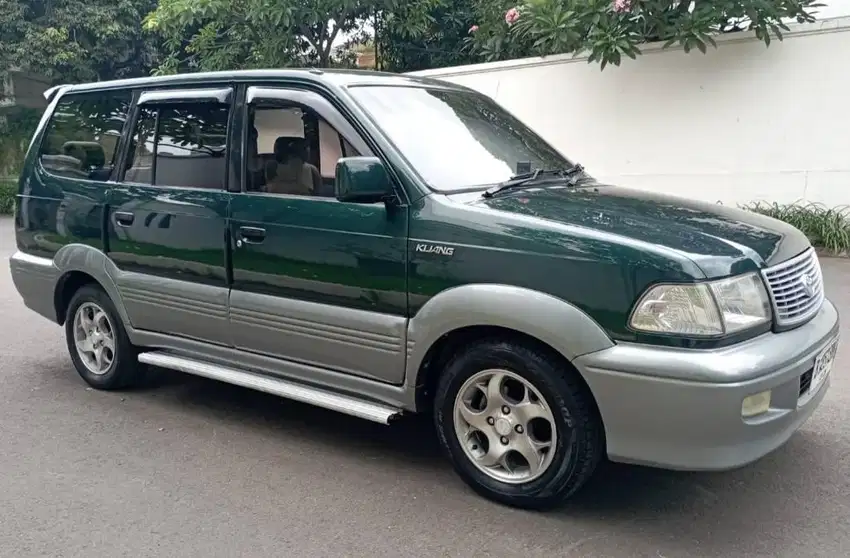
[{"x": 367, "y": 242}]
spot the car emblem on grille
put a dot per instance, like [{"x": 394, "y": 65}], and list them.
[{"x": 808, "y": 284}]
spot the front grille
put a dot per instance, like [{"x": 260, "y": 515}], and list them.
[
  {"x": 796, "y": 288},
  {"x": 806, "y": 381}
]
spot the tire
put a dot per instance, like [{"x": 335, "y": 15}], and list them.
[
  {"x": 119, "y": 367},
  {"x": 554, "y": 393}
]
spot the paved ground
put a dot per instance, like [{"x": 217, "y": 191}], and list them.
[{"x": 196, "y": 468}]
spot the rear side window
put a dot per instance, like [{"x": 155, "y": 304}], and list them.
[
  {"x": 180, "y": 145},
  {"x": 83, "y": 134}
]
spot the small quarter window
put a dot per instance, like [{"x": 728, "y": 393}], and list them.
[
  {"x": 180, "y": 145},
  {"x": 82, "y": 137}
]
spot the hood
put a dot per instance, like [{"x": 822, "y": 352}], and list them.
[{"x": 720, "y": 240}]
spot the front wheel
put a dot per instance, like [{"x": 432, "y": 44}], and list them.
[{"x": 518, "y": 424}]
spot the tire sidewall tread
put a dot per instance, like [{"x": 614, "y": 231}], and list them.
[
  {"x": 568, "y": 398},
  {"x": 125, "y": 370}
]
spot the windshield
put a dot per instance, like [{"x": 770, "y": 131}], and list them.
[{"x": 456, "y": 140}]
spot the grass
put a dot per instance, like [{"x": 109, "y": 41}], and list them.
[
  {"x": 827, "y": 228},
  {"x": 8, "y": 190}
]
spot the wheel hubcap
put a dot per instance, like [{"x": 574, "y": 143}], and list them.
[
  {"x": 94, "y": 338},
  {"x": 505, "y": 426}
]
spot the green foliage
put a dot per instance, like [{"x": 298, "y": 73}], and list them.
[
  {"x": 231, "y": 34},
  {"x": 8, "y": 191},
  {"x": 68, "y": 41},
  {"x": 436, "y": 41},
  {"x": 609, "y": 30},
  {"x": 827, "y": 228},
  {"x": 76, "y": 40},
  {"x": 15, "y": 134}
]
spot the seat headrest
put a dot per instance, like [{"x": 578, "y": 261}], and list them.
[{"x": 286, "y": 147}]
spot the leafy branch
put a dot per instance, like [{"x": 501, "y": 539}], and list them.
[{"x": 611, "y": 30}]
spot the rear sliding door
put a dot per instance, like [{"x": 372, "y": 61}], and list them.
[{"x": 166, "y": 217}]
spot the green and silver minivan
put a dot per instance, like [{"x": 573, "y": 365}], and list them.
[{"x": 383, "y": 245}]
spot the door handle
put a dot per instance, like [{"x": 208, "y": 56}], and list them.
[
  {"x": 252, "y": 235},
  {"x": 124, "y": 219}
]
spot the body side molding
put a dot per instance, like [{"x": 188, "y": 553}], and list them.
[{"x": 388, "y": 395}]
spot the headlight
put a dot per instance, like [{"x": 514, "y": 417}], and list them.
[
  {"x": 703, "y": 309},
  {"x": 742, "y": 301}
]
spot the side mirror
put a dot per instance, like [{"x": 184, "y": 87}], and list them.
[{"x": 362, "y": 180}]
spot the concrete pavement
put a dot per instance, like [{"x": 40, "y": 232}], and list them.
[{"x": 195, "y": 468}]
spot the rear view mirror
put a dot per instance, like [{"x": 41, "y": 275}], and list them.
[{"x": 362, "y": 180}]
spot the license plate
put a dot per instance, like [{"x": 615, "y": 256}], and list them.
[{"x": 823, "y": 364}]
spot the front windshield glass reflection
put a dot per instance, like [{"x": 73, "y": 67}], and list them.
[{"x": 455, "y": 139}]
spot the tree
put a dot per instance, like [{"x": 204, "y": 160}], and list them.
[
  {"x": 67, "y": 41},
  {"x": 76, "y": 40},
  {"x": 15, "y": 132},
  {"x": 230, "y": 34},
  {"x": 441, "y": 43},
  {"x": 612, "y": 29}
]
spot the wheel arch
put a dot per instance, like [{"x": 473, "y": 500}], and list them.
[
  {"x": 465, "y": 314},
  {"x": 81, "y": 264},
  {"x": 68, "y": 284}
]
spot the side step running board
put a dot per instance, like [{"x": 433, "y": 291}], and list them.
[{"x": 342, "y": 403}]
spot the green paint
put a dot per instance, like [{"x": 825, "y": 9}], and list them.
[
  {"x": 597, "y": 247},
  {"x": 362, "y": 180}
]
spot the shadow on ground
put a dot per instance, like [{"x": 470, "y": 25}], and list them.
[{"x": 721, "y": 512}]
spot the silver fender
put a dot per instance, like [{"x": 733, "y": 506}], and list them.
[
  {"x": 549, "y": 319},
  {"x": 94, "y": 262}
]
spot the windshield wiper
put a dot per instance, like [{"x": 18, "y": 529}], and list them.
[{"x": 527, "y": 178}]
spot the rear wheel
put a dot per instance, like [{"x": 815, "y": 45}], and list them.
[
  {"x": 519, "y": 425},
  {"x": 98, "y": 344}
]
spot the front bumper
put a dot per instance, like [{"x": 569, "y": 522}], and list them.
[{"x": 681, "y": 409}]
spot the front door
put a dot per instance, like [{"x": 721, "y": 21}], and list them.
[
  {"x": 315, "y": 280},
  {"x": 167, "y": 216}
]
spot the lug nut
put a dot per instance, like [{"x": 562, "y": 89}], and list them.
[
  {"x": 504, "y": 440},
  {"x": 491, "y": 421},
  {"x": 518, "y": 429},
  {"x": 506, "y": 410}
]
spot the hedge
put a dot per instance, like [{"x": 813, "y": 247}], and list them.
[
  {"x": 8, "y": 190},
  {"x": 828, "y": 228}
]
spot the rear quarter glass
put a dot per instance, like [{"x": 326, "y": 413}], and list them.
[{"x": 72, "y": 156}]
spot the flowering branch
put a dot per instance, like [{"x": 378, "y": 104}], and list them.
[{"x": 611, "y": 29}]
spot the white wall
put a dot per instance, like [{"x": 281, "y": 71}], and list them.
[{"x": 738, "y": 124}]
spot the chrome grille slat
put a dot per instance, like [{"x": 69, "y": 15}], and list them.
[
  {"x": 791, "y": 276},
  {"x": 779, "y": 273},
  {"x": 795, "y": 288},
  {"x": 797, "y": 308},
  {"x": 791, "y": 280},
  {"x": 789, "y": 294}
]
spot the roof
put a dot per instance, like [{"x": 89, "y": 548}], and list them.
[{"x": 342, "y": 78}]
